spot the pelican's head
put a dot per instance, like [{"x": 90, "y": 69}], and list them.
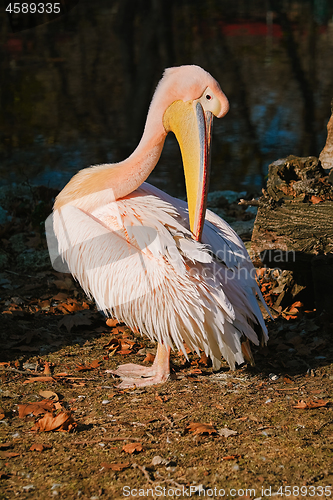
[{"x": 191, "y": 98}]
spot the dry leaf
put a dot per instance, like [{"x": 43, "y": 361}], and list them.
[
  {"x": 163, "y": 399},
  {"x": 39, "y": 447},
  {"x": 132, "y": 448},
  {"x": 114, "y": 343},
  {"x": 227, "y": 432},
  {"x": 91, "y": 366},
  {"x": 115, "y": 467},
  {"x": 61, "y": 422},
  {"x": 77, "y": 319},
  {"x": 204, "y": 360},
  {"x": 112, "y": 322},
  {"x": 60, "y": 297},
  {"x": 194, "y": 371},
  {"x": 44, "y": 406},
  {"x": 231, "y": 457},
  {"x": 47, "y": 368},
  {"x": 65, "y": 284},
  {"x": 95, "y": 363},
  {"x": 49, "y": 395},
  {"x": 5, "y": 445},
  {"x": 198, "y": 428},
  {"x": 39, "y": 379},
  {"x": 2, "y": 414},
  {"x": 124, "y": 352},
  {"x": 8, "y": 454},
  {"x": 149, "y": 358},
  {"x": 319, "y": 403},
  {"x": 315, "y": 199}
]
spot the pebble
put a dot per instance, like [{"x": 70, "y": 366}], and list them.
[
  {"x": 28, "y": 487},
  {"x": 105, "y": 401},
  {"x": 157, "y": 460}
]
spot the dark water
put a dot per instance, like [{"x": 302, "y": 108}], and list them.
[{"x": 75, "y": 91}]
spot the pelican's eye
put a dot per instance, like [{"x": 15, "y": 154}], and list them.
[{"x": 209, "y": 102}]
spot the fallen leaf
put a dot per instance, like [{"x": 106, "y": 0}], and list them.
[
  {"x": 112, "y": 322},
  {"x": 115, "y": 467},
  {"x": 39, "y": 447},
  {"x": 231, "y": 457},
  {"x": 149, "y": 358},
  {"x": 65, "y": 284},
  {"x": 198, "y": 428},
  {"x": 9, "y": 454},
  {"x": 219, "y": 407},
  {"x": 204, "y": 360},
  {"x": 60, "y": 297},
  {"x": 132, "y": 448},
  {"x": 95, "y": 363},
  {"x": 163, "y": 399},
  {"x": 5, "y": 445},
  {"x": 91, "y": 366},
  {"x": 49, "y": 395},
  {"x": 303, "y": 405},
  {"x": 194, "y": 371},
  {"x": 315, "y": 199},
  {"x": 2, "y": 414},
  {"x": 61, "y": 422},
  {"x": 39, "y": 379},
  {"x": 114, "y": 343},
  {"x": 47, "y": 368},
  {"x": 226, "y": 432},
  {"x": 77, "y": 319},
  {"x": 44, "y": 406}
]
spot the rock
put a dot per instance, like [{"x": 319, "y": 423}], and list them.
[
  {"x": 15, "y": 191},
  {"x": 157, "y": 460},
  {"x": 219, "y": 198},
  {"x": 4, "y": 217},
  {"x": 18, "y": 242},
  {"x": 326, "y": 156},
  {"x": 33, "y": 260},
  {"x": 4, "y": 260}
]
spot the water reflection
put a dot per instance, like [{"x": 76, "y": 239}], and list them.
[{"x": 76, "y": 91}]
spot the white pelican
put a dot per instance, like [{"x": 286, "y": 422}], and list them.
[{"x": 173, "y": 271}]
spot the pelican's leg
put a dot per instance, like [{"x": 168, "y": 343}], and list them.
[{"x": 141, "y": 376}]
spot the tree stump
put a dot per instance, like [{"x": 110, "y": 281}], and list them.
[{"x": 293, "y": 231}]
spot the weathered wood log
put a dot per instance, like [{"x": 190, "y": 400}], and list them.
[{"x": 294, "y": 228}]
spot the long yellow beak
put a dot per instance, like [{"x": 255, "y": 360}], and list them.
[{"x": 192, "y": 128}]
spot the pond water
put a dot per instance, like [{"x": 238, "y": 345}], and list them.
[{"x": 75, "y": 91}]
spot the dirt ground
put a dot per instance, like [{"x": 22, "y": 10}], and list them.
[
  {"x": 67, "y": 431},
  {"x": 254, "y": 439}
]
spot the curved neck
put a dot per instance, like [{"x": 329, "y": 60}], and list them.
[
  {"x": 95, "y": 186},
  {"x": 126, "y": 176}
]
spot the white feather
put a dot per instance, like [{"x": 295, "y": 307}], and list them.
[{"x": 136, "y": 257}]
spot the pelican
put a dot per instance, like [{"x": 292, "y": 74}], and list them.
[{"x": 168, "y": 269}]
